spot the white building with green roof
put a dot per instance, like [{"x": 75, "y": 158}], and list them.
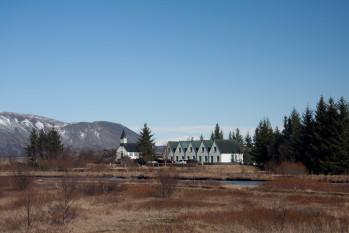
[{"x": 205, "y": 151}]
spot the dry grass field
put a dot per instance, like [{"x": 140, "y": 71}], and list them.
[{"x": 163, "y": 205}]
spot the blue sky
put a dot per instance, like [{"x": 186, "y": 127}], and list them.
[{"x": 180, "y": 66}]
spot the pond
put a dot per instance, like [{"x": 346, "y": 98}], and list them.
[{"x": 245, "y": 183}]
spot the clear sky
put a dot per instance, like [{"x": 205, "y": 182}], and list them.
[{"x": 180, "y": 66}]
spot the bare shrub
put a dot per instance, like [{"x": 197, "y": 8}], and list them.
[
  {"x": 28, "y": 205},
  {"x": 167, "y": 182},
  {"x": 21, "y": 180},
  {"x": 64, "y": 211}
]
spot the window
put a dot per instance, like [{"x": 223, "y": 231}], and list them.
[
  {"x": 180, "y": 150},
  {"x": 200, "y": 158},
  {"x": 211, "y": 159},
  {"x": 215, "y": 149},
  {"x": 176, "y": 158},
  {"x": 206, "y": 159},
  {"x": 218, "y": 159},
  {"x": 182, "y": 157},
  {"x": 202, "y": 149}
]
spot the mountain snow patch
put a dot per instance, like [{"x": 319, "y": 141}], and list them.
[
  {"x": 39, "y": 125},
  {"x": 26, "y": 122}
]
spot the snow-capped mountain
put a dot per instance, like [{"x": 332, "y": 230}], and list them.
[{"x": 15, "y": 129}]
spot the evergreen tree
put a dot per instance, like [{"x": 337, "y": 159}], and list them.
[
  {"x": 230, "y": 136},
  {"x": 146, "y": 143},
  {"x": 343, "y": 108},
  {"x": 54, "y": 145},
  {"x": 201, "y": 137},
  {"x": 247, "y": 149},
  {"x": 289, "y": 150},
  {"x": 306, "y": 144},
  {"x": 42, "y": 144},
  {"x": 217, "y": 133},
  {"x": 32, "y": 148},
  {"x": 238, "y": 137},
  {"x": 328, "y": 138},
  {"x": 263, "y": 141},
  {"x": 277, "y": 145}
]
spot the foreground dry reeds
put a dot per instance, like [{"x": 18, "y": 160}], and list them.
[{"x": 286, "y": 205}]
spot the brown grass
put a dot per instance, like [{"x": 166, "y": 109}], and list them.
[
  {"x": 194, "y": 207},
  {"x": 273, "y": 219},
  {"x": 304, "y": 184}
]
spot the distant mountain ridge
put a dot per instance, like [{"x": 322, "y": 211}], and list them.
[{"x": 15, "y": 129}]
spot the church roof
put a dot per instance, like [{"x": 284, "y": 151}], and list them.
[
  {"x": 131, "y": 147},
  {"x": 123, "y": 134}
]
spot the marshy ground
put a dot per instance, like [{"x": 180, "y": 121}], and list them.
[{"x": 90, "y": 205}]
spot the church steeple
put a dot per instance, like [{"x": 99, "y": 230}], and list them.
[{"x": 123, "y": 138}]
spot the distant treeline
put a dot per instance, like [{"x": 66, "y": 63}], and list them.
[{"x": 319, "y": 139}]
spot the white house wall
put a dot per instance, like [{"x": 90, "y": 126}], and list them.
[
  {"x": 226, "y": 158},
  {"x": 191, "y": 153},
  {"x": 169, "y": 153},
  {"x": 202, "y": 154},
  {"x": 179, "y": 153},
  {"x": 214, "y": 155}
]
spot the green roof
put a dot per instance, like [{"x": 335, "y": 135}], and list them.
[
  {"x": 184, "y": 144},
  {"x": 196, "y": 144},
  {"x": 228, "y": 146},
  {"x": 208, "y": 143},
  {"x": 173, "y": 145}
]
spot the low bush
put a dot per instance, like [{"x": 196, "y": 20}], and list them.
[
  {"x": 20, "y": 181},
  {"x": 167, "y": 182},
  {"x": 59, "y": 213}
]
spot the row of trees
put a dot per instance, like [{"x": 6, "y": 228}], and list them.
[
  {"x": 319, "y": 139},
  {"x": 44, "y": 146}
]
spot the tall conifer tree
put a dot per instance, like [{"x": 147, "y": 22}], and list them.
[
  {"x": 146, "y": 143},
  {"x": 263, "y": 141}
]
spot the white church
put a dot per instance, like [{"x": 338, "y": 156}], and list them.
[{"x": 126, "y": 149}]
